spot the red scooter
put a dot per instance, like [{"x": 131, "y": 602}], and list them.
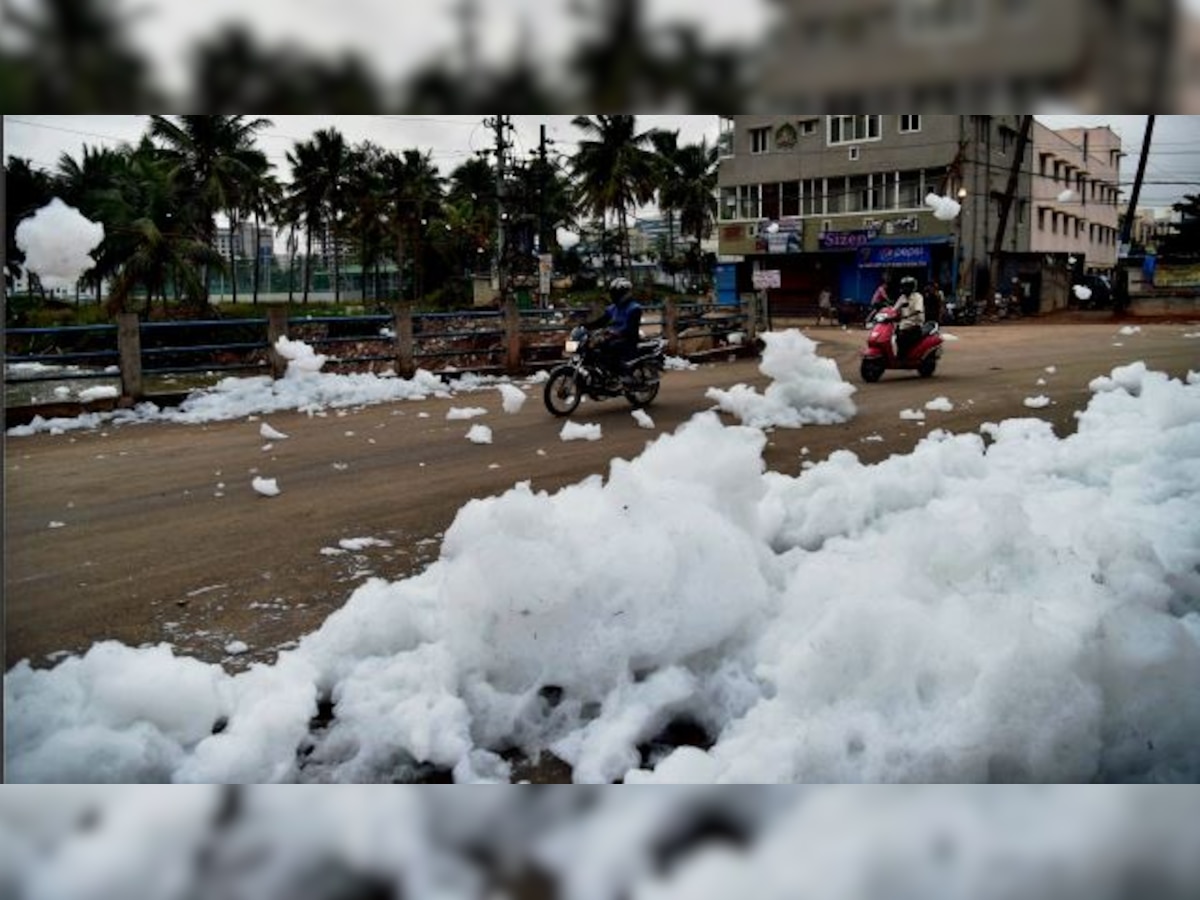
[{"x": 880, "y": 354}]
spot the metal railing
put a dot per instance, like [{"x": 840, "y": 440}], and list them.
[{"x": 475, "y": 340}]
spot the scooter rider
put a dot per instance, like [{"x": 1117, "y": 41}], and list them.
[
  {"x": 622, "y": 321},
  {"x": 911, "y": 310}
]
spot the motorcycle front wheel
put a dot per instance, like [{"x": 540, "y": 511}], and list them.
[
  {"x": 563, "y": 391},
  {"x": 648, "y": 381},
  {"x": 872, "y": 369}
]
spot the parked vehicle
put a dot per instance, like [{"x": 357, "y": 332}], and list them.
[
  {"x": 586, "y": 373},
  {"x": 960, "y": 311},
  {"x": 880, "y": 353}
]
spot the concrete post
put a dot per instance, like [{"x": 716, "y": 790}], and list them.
[
  {"x": 276, "y": 328},
  {"x": 129, "y": 351},
  {"x": 512, "y": 336},
  {"x": 406, "y": 365},
  {"x": 750, "y": 311},
  {"x": 670, "y": 325}
]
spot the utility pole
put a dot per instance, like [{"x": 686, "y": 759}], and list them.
[
  {"x": 499, "y": 124},
  {"x": 1010, "y": 191},
  {"x": 543, "y": 238},
  {"x": 1122, "y": 286}
]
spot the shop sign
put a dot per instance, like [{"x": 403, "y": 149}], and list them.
[
  {"x": 897, "y": 256},
  {"x": 846, "y": 240}
]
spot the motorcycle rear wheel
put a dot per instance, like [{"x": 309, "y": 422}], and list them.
[
  {"x": 648, "y": 381},
  {"x": 872, "y": 369},
  {"x": 927, "y": 367},
  {"x": 563, "y": 392}
]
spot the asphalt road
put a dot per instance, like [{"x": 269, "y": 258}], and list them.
[{"x": 152, "y": 549}]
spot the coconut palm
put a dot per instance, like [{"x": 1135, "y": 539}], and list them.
[
  {"x": 694, "y": 192},
  {"x": 214, "y": 157},
  {"x": 260, "y": 198},
  {"x": 414, "y": 191},
  {"x": 156, "y": 256},
  {"x": 333, "y": 169},
  {"x": 614, "y": 168},
  {"x": 305, "y": 200}
]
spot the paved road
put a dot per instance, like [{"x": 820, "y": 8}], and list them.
[{"x": 152, "y": 549}]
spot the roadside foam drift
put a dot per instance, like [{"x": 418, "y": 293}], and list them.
[
  {"x": 806, "y": 389},
  {"x": 810, "y": 626}
]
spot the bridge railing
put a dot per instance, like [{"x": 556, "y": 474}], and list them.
[{"x": 508, "y": 340}]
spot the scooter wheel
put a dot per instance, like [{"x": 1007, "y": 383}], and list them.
[{"x": 872, "y": 369}]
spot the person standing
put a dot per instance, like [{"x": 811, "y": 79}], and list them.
[{"x": 825, "y": 306}]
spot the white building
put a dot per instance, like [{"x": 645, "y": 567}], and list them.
[
  {"x": 243, "y": 240},
  {"x": 1076, "y": 193}
]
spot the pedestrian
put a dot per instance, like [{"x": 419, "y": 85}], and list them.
[{"x": 825, "y": 306}]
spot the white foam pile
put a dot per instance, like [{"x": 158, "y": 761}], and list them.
[
  {"x": 944, "y": 208},
  {"x": 57, "y": 241},
  {"x": 806, "y": 389},
  {"x": 1082, "y": 292},
  {"x": 512, "y": 398},
  {"x": 692, "y": 843},
  {"x": 1001, "y": 607}
]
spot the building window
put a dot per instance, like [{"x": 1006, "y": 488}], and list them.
[
  {"x": 748, "y": 196},
  {"x": 808, "y": 127},
  {"x": 791, "y": 199},
  {"x": 770, "y": 201},
  {"x": 729, "y": 203},
  {"x": 910, "y": 124},
  {"x": 813, "y": 195},
  {"x": 910, "y": 190},
  {"x": 835, "y": 195},
  {"x": 1041, "y": 218},
  {"x": 760, "y": 140},
  {"x": 853, "y": 155},
  {"x": 851, "y": 129}
]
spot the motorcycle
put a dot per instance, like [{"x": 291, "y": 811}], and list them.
[
  {"x": 585, "y": 373},
  {"x": 960, "y": 312},
  {"x": 880, "y": 354}
]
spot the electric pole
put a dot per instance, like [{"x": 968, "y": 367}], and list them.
[
  {"x": 1122, "y": 286},
  {"x": 543, "y": 238},
  {"x": 1010, "y": 191},
  {"x": 499, "y": 124}
]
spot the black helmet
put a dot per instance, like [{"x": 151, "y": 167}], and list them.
[{"x": 908, "y": 284}]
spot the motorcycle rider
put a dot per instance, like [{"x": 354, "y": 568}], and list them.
[
  {"x": 911, "y": 309},
  {"x": 622, "y": 321}
]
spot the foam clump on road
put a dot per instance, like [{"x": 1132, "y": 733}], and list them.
[
  {"x": 806, "y": 389},
  {"x": 808, "y": 626}
]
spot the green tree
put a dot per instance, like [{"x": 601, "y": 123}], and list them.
[
  {"x": 414, "y": 191},
  {"x": 332, "y": 174},
  {"x": 304, "y": 201},
  {"x": 26, "y": 191},
  {"x": 1184, "y": 239},
  {"x": 615, "y": 170},
  {"x": 214, "y": 157},
  {"x": 261, "y": 196}
]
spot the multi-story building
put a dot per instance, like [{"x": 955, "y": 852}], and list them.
[
  {"x": 243, "y": 241},
  {"x": 838, "y": 201},
  {"x": 1076, "y": 195}
]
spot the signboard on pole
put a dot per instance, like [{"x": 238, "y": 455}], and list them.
[
  {"x": 766, "y": 278},
  {"x": 545, "y": 269}
]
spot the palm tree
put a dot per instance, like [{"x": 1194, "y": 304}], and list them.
[
  {"x": 670, "y": 187},
  {"x": 260, "y": 196},
  {"x": 332, "y": 158},
  {"x": 614, "y": 169},
  {"x": 414, "y": 191},
  {"x": 305, "y": 199},
  {"x": 155, "y": 257},
  {"x": 214, "y": 156},
  {"x": 694, "y": 193},
  {"x": 27, "y": 190}
]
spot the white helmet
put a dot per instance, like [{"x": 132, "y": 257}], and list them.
[{"x": 620, "y": 283}]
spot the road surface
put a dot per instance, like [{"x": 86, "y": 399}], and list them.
[{"x": 163, "y": 539}]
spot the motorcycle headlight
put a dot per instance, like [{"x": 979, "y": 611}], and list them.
[{"x": 572, "y": 346}]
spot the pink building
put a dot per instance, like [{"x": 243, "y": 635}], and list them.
[{"x": 1076, "y": 194}]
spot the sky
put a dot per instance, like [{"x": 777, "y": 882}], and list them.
[
  {"x": 806, "y": 622},
  {"x": 454, "y": 139}
]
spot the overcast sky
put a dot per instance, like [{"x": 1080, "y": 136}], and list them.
[{"x": 453, "y": 139}]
